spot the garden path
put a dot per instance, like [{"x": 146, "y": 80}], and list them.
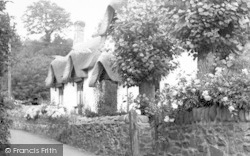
[{"x": 22, "y": 137}]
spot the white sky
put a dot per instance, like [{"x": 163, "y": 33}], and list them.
[{"x": 89, "y": 11}]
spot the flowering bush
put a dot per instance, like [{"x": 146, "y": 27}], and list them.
[
  {"x": 55, "y": 112},
  {"x": 33, "y": 113},
  {"x": 52, "y": 112},
  {"x": 229, "y": 86}
]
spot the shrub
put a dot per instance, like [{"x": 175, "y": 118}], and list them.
[{"x": 5, "y": 122}]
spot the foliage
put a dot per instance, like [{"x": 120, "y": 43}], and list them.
[
  {"x": 143, "y": 47},
  {"x": 5, "y": 122},
  {"x": 29, "y": 73},
  {"x": 107, "y": 103},
  {"x": 90, "y": 114},
  {"x": 217, "y": 26},
  {"x": 5, "y": 36},
  {"x": 228, "y": 87},
  {"x": 45, "y": 111},
  {"x": 59, "y": 46},
  {"x": 45, "y": 17},
  {"x": 30, "y": 66}
]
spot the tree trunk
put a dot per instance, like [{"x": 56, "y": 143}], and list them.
[
  {"x": 205, "y": 65},
  {"x": 147, "y": 88},
  {"x": 47, "y": 37}
]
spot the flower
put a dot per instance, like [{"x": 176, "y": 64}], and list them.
[
  {"x": 197, "y": 81},
  {"x": 174, "y": 105},
  {"x": 245, "y": 71},
  {"x": 132, "y": 106},
  {"x": 210, "y": 75},
  {"x": 138, "y": 111},
  {"x": 224, "y": 99},
  {"x": 207, "y": 98},
  {"x": 175, "y": 93},
  {"x": 218, "y": 71},
  {"x": 168, "y": 119},
  {"x": 193, "y": 90},
  {"x": 231, "y": 108},
  {"x": 205, "y": 93}
]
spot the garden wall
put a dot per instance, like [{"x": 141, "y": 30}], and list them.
[
  {"x": 195, "y": 133},
  {"x": 107, "y": 136}
]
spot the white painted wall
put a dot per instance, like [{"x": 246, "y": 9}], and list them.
[
  {"x": 122, "y": 93},
  {"x": 54, "y": 95},
  {"x": 90, "y": 94},
  {"x": 70, "y": 96}
]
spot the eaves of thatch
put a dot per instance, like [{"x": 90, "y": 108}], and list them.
[
  {"x": 104, "y": 65},
  {"x": 78, "y": 64},
  {"x": 55, "y": 73}
]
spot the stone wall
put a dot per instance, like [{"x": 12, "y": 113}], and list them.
[
  {"x": 107, "y": 136},
  {"x": 193, "y": 134},
  {"x": 224, "y": 139}
]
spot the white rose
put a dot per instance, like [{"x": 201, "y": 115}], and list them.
[
  {"x": 205, "y": 93},
  {"x": 225, "y": 99},
  {"x": 175, "y": 93},
  {"x": 166, "y": 119},
  {"x": 138, "y": 111},
  {"x": 174, "y": 105},
  {"x": 245, "y": 71},
  {"x": 210, "y": 75},
  {"x": 207, "y": 98},
  {"x": 197, "y": 81},
  {"x": 231, "y": 108},
  {"x": 193, "y": 90}
]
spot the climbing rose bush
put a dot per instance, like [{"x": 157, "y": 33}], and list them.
[
  {"x": 229, "y": 86},
  {"x": 51, "y": 112},
  {"x": 54, "y": 112}
]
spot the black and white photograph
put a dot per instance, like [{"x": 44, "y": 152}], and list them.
[{"x": 125, "y": 77}]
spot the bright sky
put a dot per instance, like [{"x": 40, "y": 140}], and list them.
[{"x": 89, "y": 11}]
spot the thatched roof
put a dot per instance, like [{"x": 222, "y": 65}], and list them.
[
  {"x": 79, "y": 62},
  {"x": 105, "y": 23},
  {"x": 56, "y": 70},
  {"x": 104, "y": 64}
]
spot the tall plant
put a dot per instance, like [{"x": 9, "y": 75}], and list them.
[
  {"x": 212, "y": 27},
  {"x": 5, "y": 36},
  {"x": 143, "y": 48}
]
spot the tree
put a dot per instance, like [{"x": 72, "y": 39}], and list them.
[
  {"x": 45, "y": 17},
  {"x": 30, "y": 66},
  {"x": 211, "y": 28},
  {"x": 5, "y": 36},
  {"x": 143, "y": 47},
  {"x": 29, "y": 72}
]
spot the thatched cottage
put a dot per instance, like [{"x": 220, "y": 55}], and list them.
[{"x": 85, "y": 78}]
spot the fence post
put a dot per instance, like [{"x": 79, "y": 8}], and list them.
[{"x": 134, "y": 134}]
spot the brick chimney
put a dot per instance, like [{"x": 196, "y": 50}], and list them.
[{"x": 79, "y": 35}]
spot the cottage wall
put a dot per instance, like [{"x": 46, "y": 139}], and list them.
[
  {"x": 54, "y": 95},
  {"x": 122, "y": 96},
  {"x": 90, "y": 94},
  {"x": 70, "y": 96}
]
